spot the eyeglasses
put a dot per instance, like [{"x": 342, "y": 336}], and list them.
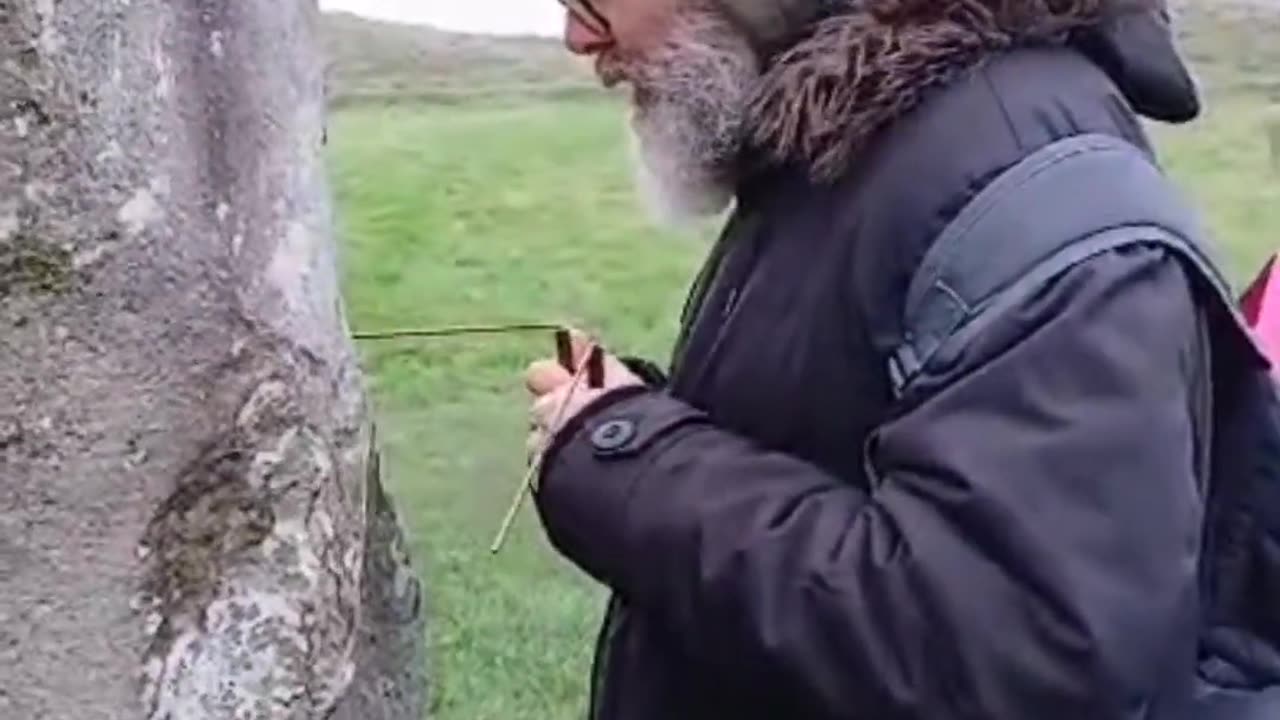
[{"x": 586, "y": 13}]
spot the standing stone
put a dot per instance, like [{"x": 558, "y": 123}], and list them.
[{"x": 192, "y": 522}]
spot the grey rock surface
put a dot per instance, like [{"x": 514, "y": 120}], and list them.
[{"x": 192, "y": 522}]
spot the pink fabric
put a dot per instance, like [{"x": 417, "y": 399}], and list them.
[{"x": 1261, "y": 307}]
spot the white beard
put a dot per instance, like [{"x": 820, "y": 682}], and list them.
[
  {"x": 689, "y": 106},
  {"x": 675, "y": 190}
]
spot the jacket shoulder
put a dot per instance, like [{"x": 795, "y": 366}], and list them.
[
  {"x": 930, "y": 164},
  {"x": 1018, "y": 235}
]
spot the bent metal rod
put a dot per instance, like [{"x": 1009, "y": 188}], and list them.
[
  {"x": 458, "y": 330},
  {"x": 591, "y": 368}
]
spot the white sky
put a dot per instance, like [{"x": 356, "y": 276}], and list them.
[{"x": 542, "y": 17}]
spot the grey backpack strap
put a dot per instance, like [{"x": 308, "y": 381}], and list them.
[{"x": 1067, "y": 202}]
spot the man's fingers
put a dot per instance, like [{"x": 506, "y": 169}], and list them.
[
  {"x": 550, "y": 412},
  {"x": 544, "y": 376},
  {"x": 614, "y": 367},
  {"x": 544, "y": 408}
]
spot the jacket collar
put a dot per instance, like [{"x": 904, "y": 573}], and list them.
[{"x": 821, "y": 100}]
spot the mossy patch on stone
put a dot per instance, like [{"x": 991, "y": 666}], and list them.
[{"x": 29, "y": 266}]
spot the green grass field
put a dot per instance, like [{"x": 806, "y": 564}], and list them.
[{"x": 493, "y": 214}]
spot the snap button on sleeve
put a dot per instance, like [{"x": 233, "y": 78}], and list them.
[{"x": 613, "y": 435}]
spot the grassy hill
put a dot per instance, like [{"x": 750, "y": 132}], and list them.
[
  {"x": 1233, "y": 45},
  {"x": 382, "y": 61}
]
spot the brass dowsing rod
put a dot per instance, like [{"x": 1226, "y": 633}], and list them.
[
  {"x": 591, "y": 367},
  {"x": 458, "y": 330},
  {"x": 589, "y": 364}
]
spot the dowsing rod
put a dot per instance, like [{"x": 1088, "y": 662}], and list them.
[{"x": 454, "y": 331}]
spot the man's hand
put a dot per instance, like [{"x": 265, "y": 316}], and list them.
[{"x": 549, "y": 384}]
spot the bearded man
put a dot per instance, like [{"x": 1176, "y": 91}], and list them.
[{"x": 786, "y": 539}]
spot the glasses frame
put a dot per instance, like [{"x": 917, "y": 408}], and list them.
[{"x": 588, "y": 15}]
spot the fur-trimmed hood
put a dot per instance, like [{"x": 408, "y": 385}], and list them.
[{"x": 870, "y": 61}]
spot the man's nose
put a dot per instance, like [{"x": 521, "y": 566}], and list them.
[{"x": 583, "y": 40}]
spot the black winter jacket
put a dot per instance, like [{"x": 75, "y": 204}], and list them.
[{"x": 786, "y": 542}]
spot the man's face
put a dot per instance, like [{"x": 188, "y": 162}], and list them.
[{"x": 690, "y": 73}]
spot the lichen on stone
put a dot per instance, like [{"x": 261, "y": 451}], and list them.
[
  {"x": 248, "y": 562},
  {"x": 30, "y": 266}
]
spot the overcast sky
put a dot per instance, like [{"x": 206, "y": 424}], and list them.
[{"x": 543, "y": 17}]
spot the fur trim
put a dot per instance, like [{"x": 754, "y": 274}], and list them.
[{"x": 821, "y": 100}]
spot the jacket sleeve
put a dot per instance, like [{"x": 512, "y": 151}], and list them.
[{"x": 1028, "y": 546}]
